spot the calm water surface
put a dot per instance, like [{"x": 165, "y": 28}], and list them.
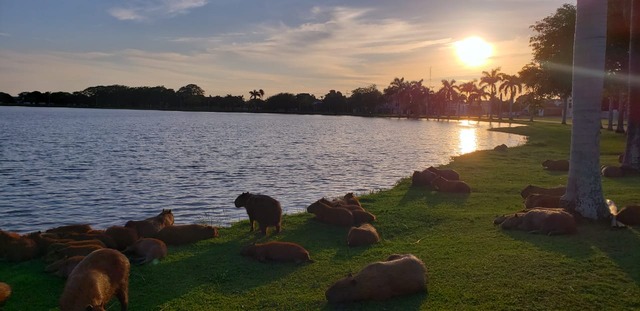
[{"x": 104, "y": 167}]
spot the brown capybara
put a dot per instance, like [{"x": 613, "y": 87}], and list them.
[
  {"x": 612, "y": 171},
  {"x": 629, "y": 215},
  {"x": 556, "y": 165},
  {"x": 351, "y": 199},
  {"x": 261, "y": 208},
  {"x": 5, "y": 292},
  {"x": 5, "y": 238},
  {"x": 146, "y": 250},
  {"x": 151, "y": 226},
  {"x": 70, "y": 251},
  {"x": 501, "y": 148},
  {"x": 122, "y": 236},
  {"x": 277, "y": 251},
  {"x": 444, "y": 185},
  {"x": 91, "y": 235},
  {"x": 21, "y": 248},
  {"x": 60, "y": 245},
  {"x": 95, "y": 280},
  {"x": 546, "y": 221},
  {"x": 342, "y": 204},
  {"x": 422, "y": 179},
  {"x": 365, "y": 234},
  {"x": 448, "y": 174},
  {"x": 361, "y": 217},
  {"x": 402, "y": 275},
  {"x": 63, "y": 267},
  {"x": 542, "y": 200},
  {"x": 331, "y": 215},
  {"x": 186, "y": 234},
  {"x": 83, "y": 228},
  {"x": 531, "y": 189}
]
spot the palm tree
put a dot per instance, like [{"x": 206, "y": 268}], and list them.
[
  {"x": 398, "y": 91},
  {"x": 511, "y": 86},
  {"x": 584, "y": 184},
  {"x": 478, "y": 94},
  {"x": 631, "y": 159},
  {"x": 491, "y": 79},
  {"x": 256, "y": 94},
  {"x": 468, "y": 89},
  {"x": 450, "y": 92}
]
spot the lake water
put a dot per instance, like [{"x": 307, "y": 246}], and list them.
[{"x": 103, "y": 167}]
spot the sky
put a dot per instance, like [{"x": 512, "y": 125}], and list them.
[{"x": 235, "y": 46}]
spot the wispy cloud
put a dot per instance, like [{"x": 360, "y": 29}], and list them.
[{"x": 152, "y": 9}]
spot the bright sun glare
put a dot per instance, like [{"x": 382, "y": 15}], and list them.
[{"x": 473, "y": 51}]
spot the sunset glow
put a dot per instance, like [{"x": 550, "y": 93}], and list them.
[{"x": 473, "y": 51}]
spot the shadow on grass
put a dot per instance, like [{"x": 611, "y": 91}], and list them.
[{"x": 408, "y": 302}]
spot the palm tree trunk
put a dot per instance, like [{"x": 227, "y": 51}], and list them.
[
  {"x": 610, "y": 115},
  {"x": 511, "y": 108},
  {"x": 621, "y": 113},
  {"x": 565, "y": 104},
  {"x": 584, "y": 185},
  {"x": 631, "y": 159}
]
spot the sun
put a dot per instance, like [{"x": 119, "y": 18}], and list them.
[{"x": 473, "y": 51}]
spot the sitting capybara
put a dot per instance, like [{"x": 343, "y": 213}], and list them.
[
  {"x": 443, "y": 185},
  {"x": 448, "y": 174},
  {"x": 361, "y": 217},
  {"x": 64, "y": 267},
  {"x": 146, "y": 250},
  {"x": 556, "y": 165},
  {"x": 365, "y": 234},
  {"x": 83, "y": 228},
  {"x": 95, "y": 280},
  {"x": 547, "y": 221},
  {"x": 151, "y": 226},
  {"x": 400, "y": 275},
  {"x": 70, "y": 251},
  {"x": 531, "y": 189},
  {"x": 612, "y": 171},
  {"x": 5, "y": 292},
  {"x": 277, "y": 251},
  {"x": 542, "y": 200},
  {"x": 422, "y": 179},
  {"x": 122, "y": 236},
  {"x": 261, "y": 208},
  {"x": 331, "y": 215},
  {"x": 629, "y": 215},
  {"x": 186, "y": 234}
]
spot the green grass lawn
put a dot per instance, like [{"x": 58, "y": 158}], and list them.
[{"x": 472, "y": 265}]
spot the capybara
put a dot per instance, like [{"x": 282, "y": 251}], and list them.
[
  {"x": 365, "y": 234},
  {"x": 331, "y": 215},
  {"x": 261, "y": 208},
  {"x": 70, "y": 251},
  {"x": 402, "y": 275},
  {"x": 5, "y": 292},
  {"x": 556, "y": 165},
  {"x": 547, "y": 221},
  {"x": 612, "y": 171},
  {"x": 542, "y": 200},
  {"x": 186, "y": 234},
  {"x": 444, "y": 185},
  {"x": 277, "y": 251},
  {"x": 361, "y": 217},
  {"x": 146, "y": 250},
  {"x": 5, "y": 238},
  {"x": 95, "y": 280},
  {"x": 446, "y": 173},
  {"x": 63, "y": 267},
  {"x": 91, "y": 235},
  {"x": 21, "y": 248},
  {"x": 501, "y": 148},
  {"x": 531, "y": 189},
  {"x": 342, "y": 204},
  {"x": 351, "y": 199},
  {"x": 60, "y": 245},
  {"x": 423, "y": 179},
  {"x": 83, "y": 228},
  {"x": 629, "y": 215},
  {"x": 151, "y": 226},
  {"x": 122, "y": 236}
]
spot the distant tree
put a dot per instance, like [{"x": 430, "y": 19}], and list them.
[
  {"x": 511, "y": 86},
  {"x": 191, "y": 90},
  {"x": 282, "y": 102},
  {"x": 366, "y": 99},
  {"x": 398, "y": 93},
  {"x": 256, "y": 94},
  {"x": 491, "y": 79},
  {"x": 468, "y": 89},
  {"x": 450, "y": 92},
  {"x": 335, "y": 102},
  {"x": 306, "y": 102},
  {"x": 6, "y": 98}
]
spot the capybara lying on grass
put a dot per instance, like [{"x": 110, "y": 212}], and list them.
[
  {"x": 446, "y": 173},
  {"x": 18, "y": 248},
  {"x": 95, "y": 280},
  {"x": 151, "y": 226},
  {"x": 186, "y": 234},
  {"x": 501, "y": 148},
  {"x": 341, "y": 204},
  {"x": 5, "y": 238},
  {"x": 277, "y": 251},
  {"x": 556, "y": 165},
  {"x": 351, "y": 199},
  {"x": 423, "y": 179},
  {"x": 542, "y": 200},
  {"x": 261, "y": 208},
  {"x": 5, "y": 292},
  {"x": 64, "y": 267},
  {"x": 365, "y": 234},
  {"x": 331, "y": 215},
  {"x": 361, "y": 217},
  {"x": 399, "y": 275},
  {"x": 83, "y": 228},
  {"x": 547, "y": 221},
  {"x": 122, "y": 236},
  {"x": 612, "y": 171},
  {"x": 629, "y": 215},
  {"x": 531, "y": 189},
  {"x": 70, "y": 251},
  {"x": 443, "y": 185},
  {"x": 91, "y": 235},
  {"x": 146, "y": 250}
]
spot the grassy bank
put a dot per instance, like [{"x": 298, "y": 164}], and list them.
[{"x": 471, "y": 264}]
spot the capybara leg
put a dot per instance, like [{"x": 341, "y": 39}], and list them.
[
  {"x": 251, "y": 222},
  {"x": 278, "y": 228},
  {"x": 263, "y": 229},
  {"x": 123, "y": 297}
]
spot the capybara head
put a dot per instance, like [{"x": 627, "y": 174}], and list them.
[
  {"x": 241, "y": 200},
  {"x": 342, "y": 289},
  {"x": 167, "y": 217},
  {"x": 313, "y": 208},
  {"x": 512, "y": 221},
  {"x": 249, "y": 250}
]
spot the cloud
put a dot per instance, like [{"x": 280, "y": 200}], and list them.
[{"x": 153, "y": 9}]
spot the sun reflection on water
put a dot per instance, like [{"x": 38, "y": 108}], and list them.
[{"x": 468, "y": 140}]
